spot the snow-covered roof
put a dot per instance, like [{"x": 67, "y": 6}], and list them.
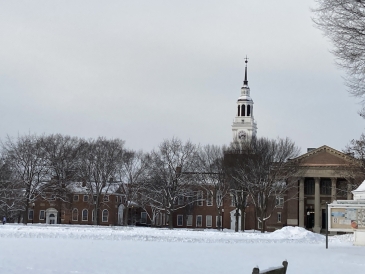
[
  {"x": 361, "y": 188},
  {"x": 78, "y": 188}
]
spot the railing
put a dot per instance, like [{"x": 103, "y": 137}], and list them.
[{"x": 273, "y": 270}]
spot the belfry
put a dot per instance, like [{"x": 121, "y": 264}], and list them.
[{"x": 244, "y": 125}]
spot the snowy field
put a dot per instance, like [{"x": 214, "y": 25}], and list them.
[{"x": 87, "y": 249}]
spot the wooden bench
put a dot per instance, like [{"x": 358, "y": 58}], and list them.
[{"x": 273, "y": 270}]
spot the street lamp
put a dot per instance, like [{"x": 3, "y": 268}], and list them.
[{"x": 222, "y": 218}]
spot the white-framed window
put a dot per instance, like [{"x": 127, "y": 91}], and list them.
[
  {"x": 279, "y": 201},
  {"x": 199, "y": 221},
  {"x": 259, "y": 224},
  {"x": 233, "y": 201},
  {"x": 30, "y": 214},
  {"x": 180, "y": 200},
  {"x": 86, "y": 198},
  {"x": 76, "y": 198},
  {"x": 180, "y": 220},
  {"x": 217, "y": 219},
  {"x": 199, "y": 198},
  {"x": 209, "y": 220},
  {"x": 85, "y": 214},
  {"x": 105, "y": 215},
  {"x": 279, "y": 217},
  {"x": 75, "y": 214},
  {"x": 143, "y": 217},
  {"x": 41, "y": 214},
  {"x": 189, "y": 220},
  {"x": 106, "y": 198},
  {"x": 209, "y": 198}
]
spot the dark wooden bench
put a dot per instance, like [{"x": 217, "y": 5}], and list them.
[{"x": 273, "y": 270}]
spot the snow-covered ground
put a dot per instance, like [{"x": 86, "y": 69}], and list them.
[{"x": 88, "y": 249}]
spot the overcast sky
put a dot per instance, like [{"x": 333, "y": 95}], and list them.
[{"x": 145, "y": 71}]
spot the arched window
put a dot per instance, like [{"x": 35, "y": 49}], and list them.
[
  {"x": 248, "y": 110},
  {"x": 75, "y": 214},
  {"x": 105, "y": 215},
  {"x": 243, "y": 110},
  {"x": 239, "y": 108},
  {"x": 84, "y": 214}
]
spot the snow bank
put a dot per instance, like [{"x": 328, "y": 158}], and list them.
[{"x": 285, "y": 235}]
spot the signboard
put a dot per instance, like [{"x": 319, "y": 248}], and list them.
[{"x": 346, "y": 217}]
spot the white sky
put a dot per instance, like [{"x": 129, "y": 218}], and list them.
[{"x": 144, "y": 71}]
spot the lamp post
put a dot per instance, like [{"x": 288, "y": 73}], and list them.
[
  {"x": 222, "y": 219},
  {"x": 33, "y": 212}
]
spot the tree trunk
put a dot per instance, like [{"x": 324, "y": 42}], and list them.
[
  {"x": 219, "y": 219},
  {"x": 237, "y": 218},
  {"x": 243, "y": 221},
  {"x": 126, "y": 216},
  {"x": 170, "y": 221}
]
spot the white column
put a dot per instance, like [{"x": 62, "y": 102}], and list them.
[
  {"x": 301, "y": 202},
  {"x": 349, "y": 188},
  {"x": 317, "y": 206},
  {"x": 333, "y": 189}
]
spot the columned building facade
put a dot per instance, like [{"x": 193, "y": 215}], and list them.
[{"x": 325, "y": 175}]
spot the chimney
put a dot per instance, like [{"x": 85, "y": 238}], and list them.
[{"x": 310, "y": 149}]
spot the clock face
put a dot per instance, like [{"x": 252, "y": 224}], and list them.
[{"x": 241, "y": 135}]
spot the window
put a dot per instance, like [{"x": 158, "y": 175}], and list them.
[
  {"x": 116, "y": 199},
  {"x": 180, "y": 200},
  {"x": 105, "y": 215},
  {"x": 209, "y": 198},
  {"x": 189, "y": 221},
  {"x": 219, "y": 200},
  {"x": 233, "y": 201},
  {"x": 84, "y": 214},
  {"x": 309, "y": 187},
  {"x": 218, "y": 221},
  {"x": 325, "y": 186},
  {"x": 243, "y": 110},
  {"x": 143, "y": 217},
  {"x": 76, "y": 198},
  {"x": 106, "y": 198},
  {"x": 279, "y": 201},
  {"x": 248, "y": 110},
  {"x": 41, "y": 215},
  {"x": 75, "y": 214},
  {"x": 86, "y": 198},
  {"x": 259, "y": 225},
  {"x": 279, "y": 217},
  {"x": 238, "y": 111},
  {"x": 95, "y": 197},
  {"x": 199, "y": 221},
  {"x": 30, "y": 214},
  {"x": 199, "y": 198},
  {"x": 209, "y": 220},
  {"x": 180, "y": 220}
]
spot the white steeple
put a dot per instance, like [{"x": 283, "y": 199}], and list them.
[{"x": 244, "y": 125}]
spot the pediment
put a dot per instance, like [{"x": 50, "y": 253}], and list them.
[{"x": 325, "y": 156}]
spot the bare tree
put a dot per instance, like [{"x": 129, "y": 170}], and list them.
[
  {"x": 26, "y": 155},
  {"x": 172, "y": 175},
  {"x": 212, "y": 177},
  {"x": 97, "y": 167},
  {"x": 132, "y": 173},
  {"x": 264, "y": 168},
  {"x": 343, "y": 22}
]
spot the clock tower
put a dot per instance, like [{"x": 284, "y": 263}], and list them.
[{"x": 244, "y": 125}]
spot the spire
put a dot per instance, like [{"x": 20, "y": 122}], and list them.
[{"x": 245, "y": 83}]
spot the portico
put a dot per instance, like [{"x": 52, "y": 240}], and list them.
[{"x": 325, "y": 175}]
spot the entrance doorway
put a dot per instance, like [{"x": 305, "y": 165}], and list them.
[
  {"x": 310, "y": 218},
  {"x": 51, "y": 216}
]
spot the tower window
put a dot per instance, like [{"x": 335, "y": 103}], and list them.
[
  {"x": 243, "y": 110},
  {"x": 248, "y": 110},
  {"x": 239, "y": 108}
]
